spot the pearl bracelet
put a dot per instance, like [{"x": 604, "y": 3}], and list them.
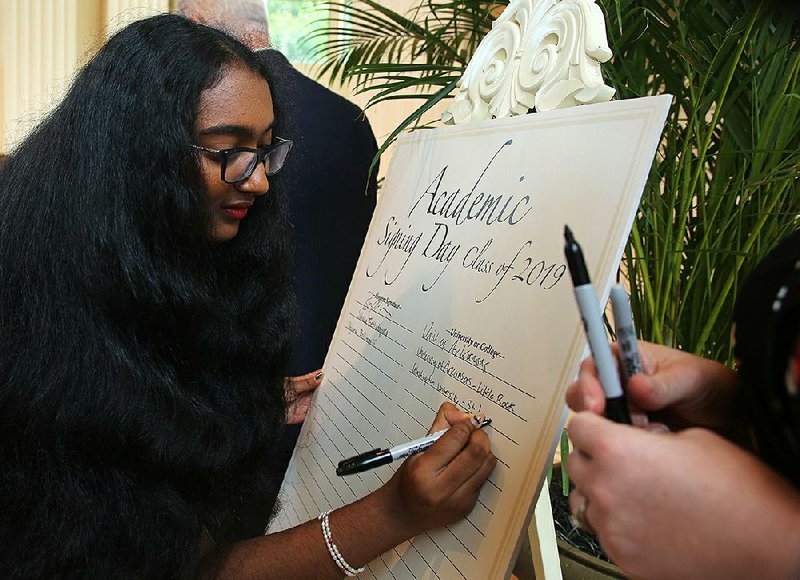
[{"x": 333, "y": 550}]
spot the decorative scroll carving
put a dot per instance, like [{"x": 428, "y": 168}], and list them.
[{"x": 540, "y": 54}]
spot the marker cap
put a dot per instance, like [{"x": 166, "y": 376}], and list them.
[{"x": 364, "y": 462}]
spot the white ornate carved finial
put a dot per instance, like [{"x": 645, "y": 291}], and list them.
[{"x": 540, "y": 54}]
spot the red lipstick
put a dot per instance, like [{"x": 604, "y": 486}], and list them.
[
  {"x": 236, "y": 213},
  {"x": 237, "y": 210}
]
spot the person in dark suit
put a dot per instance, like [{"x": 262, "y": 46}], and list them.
[{"x": 333, "y": 197}]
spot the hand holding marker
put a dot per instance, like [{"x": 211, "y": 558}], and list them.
[
  {"x": 589, "y": 307},
  {"x": 378, "y": 457}
]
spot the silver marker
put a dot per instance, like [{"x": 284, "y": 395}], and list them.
[{"x": 626, "y": 333}]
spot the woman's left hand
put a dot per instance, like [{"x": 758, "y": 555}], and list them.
[
  {"x": 682, "y": 505},
  {"x": 298, "y": 395}
]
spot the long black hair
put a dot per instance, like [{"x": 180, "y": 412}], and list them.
[{"x": 141, "y": 364}]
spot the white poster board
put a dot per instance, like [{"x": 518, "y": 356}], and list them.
[{"x": 462, "y": 293}]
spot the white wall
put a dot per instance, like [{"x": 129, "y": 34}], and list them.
[{"x": 43, "y": 43}]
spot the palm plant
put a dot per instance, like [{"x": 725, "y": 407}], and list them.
[{"x": 723, "y": 188}]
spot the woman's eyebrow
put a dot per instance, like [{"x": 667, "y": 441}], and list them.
[{"x": 235, "y": 130}]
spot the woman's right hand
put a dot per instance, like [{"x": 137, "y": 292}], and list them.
[
  {"x": 441, "y": 485},
  {"x": 680, "y": 389},
  {"x": 430, "y": 490}
]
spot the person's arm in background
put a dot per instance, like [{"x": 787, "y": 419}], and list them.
[
  {"x": 430, "y": 490},
  {"x": 680, "y": 505}
]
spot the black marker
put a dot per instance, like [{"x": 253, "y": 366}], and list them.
[
  {"x": 378, "y": 457},
  {"x": 589, "y": 307}
]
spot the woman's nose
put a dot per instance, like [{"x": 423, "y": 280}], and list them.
[{"x": 257, "y": 183}]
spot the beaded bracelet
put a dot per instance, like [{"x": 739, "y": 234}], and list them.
[{"x": 333, "y": 550}]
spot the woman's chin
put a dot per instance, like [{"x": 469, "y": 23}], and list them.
[{"x": 225, "y": 232}]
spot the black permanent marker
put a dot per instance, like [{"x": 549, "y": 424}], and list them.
[
  {"x": 589, "y": 307},
  {"x": 378, "y": 457}
]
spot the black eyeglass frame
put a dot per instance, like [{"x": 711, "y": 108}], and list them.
[{"x": 261, "y": 155}]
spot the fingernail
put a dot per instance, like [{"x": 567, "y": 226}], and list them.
[
  {"x": 477, "y": 419},
  {"x": 318, "y": 376},
  {"x": 588, "y": 403}
]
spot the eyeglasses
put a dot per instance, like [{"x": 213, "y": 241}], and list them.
[{"x": 238, "y": 163}]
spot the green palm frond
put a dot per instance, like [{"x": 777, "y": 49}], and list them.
[
  {"x": 413, "y": 119},
  {"x": 356, "y": 41},
  {"x": 416, "y": 56}
]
